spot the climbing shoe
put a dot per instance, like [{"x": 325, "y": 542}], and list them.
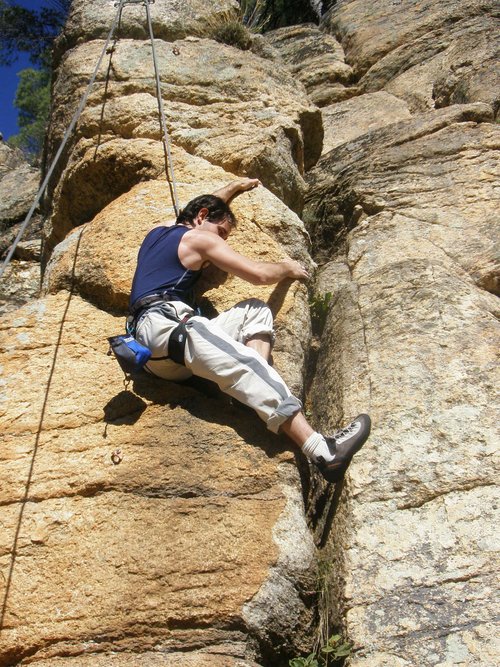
[{"x": 343, "y": 445}]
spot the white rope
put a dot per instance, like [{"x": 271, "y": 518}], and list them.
[
  {"x": 70, "y": 129},
  {"x": 77, "y": 115},
  {"x": 166, "y": 140}
]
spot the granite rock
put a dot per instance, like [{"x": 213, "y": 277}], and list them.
[
  {"x": 317, "y": 59},
  {"x": 404, "y": 219},
  {"x": 162, "y": 552},
  {"x": 232, "y": 108},
  {"x": 427, "y": 53}
]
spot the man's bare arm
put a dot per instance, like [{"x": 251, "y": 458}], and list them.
[
  {"x": 235, "y": 188},
  {"x": 210, "y": 247}
]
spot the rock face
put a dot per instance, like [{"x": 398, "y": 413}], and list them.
[
  {"x": 18, "y": 188},
  {"x": 194, "y": 549},
  {"x": 317, "y": 59},
  {"x": 427, "y": 53},
  {"x": 233, "y": 108},
  {"x": 359, "y": 116},
  {"x": 92, "y": 552},
  {"x": 403, "y": 218},
  {"x": 209, "y": 543}
]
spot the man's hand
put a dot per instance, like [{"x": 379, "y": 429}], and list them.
[
  {"x": 296, "y": 271},
  {"x": 246, "y": 184},
  {"x": 235, "y": 188}
]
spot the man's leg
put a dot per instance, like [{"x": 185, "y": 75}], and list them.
[
  {"x": 243, "y": 373},
  {"x": 332, "y": 455},
  {"x": 261, "y": 343},
  {"x": 239, "y": 370}
]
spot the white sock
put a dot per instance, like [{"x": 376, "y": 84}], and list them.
[{"x": 315, "y": 446}]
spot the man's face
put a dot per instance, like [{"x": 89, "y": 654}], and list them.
[{"x": 223, "y": 229}]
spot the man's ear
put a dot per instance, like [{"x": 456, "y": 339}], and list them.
[{"x": 201, "y": 216}]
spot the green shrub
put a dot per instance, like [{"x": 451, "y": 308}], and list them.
[
  {"x": 232, "y": 33},
  {"x": 319, "y": 305},
  {"x": 334, "y": 650}
]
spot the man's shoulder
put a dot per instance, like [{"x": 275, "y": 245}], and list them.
[{"x": 200, "y": 238}]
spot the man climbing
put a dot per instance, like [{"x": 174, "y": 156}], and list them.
[{"x": 234, "y": 348}]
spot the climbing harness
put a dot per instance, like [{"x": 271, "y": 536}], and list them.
[
  {"x": 165, "y": 138},
  {"x": 132, "y": 355}
]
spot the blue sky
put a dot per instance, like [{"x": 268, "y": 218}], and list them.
[{"x": 9, "y": 81}]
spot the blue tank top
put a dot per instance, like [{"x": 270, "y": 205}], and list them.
[{"x": 159, "y": 268}]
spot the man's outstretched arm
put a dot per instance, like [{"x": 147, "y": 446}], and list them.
[
  {"x": 235, "y": 188},
  {"x": 210, "y": 247}
]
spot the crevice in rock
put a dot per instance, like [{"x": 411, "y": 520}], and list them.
[
  {"x": 93, "y": 490},
  {"x": 431, "y": 497}
]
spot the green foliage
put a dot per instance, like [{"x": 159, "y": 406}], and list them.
[
  {"x": 232, "y": 33},
  {"x": 33, "y": 102},
  {"x": 334, "y": 650},
  {"x": 319, "y": 305},
  {"x": 30, "y": 31},
  {"x": 310, "y": 661}
]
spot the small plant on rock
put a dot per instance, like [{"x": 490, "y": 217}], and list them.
[
  {"x": 335, "y": 650},
  {"x": 319, "y": 305},
  {"x": 232, "y": 33},
  {"x": 310, "y": 661},
  {"x": 227, "y": 28}
]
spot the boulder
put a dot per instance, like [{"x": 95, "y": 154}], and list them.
[
  {"x": 360, "y": 115},
  {"x": 193, "y": 542},
  {"x": 316, "y": 59},
  {"x": 19, "y": 283},
  {"x": 405, "y": 221},
  {"x": 18, "y": 188},
  {"x": 19, "y": 184},
  {"x": 233, "y": 108},
  {"x": 429, "y": 54}
]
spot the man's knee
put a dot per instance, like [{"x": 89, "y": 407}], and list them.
[
  {"x": 257, "y": 309},
  {"x": 258, "y": 320}
]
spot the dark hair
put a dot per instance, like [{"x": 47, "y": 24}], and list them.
[{"x": 218, "y": 211}]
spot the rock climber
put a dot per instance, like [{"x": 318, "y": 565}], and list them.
[{"x": 234, "y": 348}]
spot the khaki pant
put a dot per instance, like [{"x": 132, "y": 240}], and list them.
[{"x": 216, "y": 350}]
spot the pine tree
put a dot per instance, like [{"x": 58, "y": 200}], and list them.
[{"x": 33, "y": 32}]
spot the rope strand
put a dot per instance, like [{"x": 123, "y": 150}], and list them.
[
  {"x": 166, "y": 141},
  {"x": 77, "y": 114},
  {"x": 74, "y": 121}
]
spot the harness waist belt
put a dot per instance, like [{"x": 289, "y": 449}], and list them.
[{"x": 148, "y": 300}]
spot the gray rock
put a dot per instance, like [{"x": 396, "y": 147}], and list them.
[
  {"x": 445, "y": 51},
  {"x": 18, "y": 186},
  {"x": 20, "y": 283},
  {"x": 407, "y": 216},
  {"x": 317, "y": 59}
]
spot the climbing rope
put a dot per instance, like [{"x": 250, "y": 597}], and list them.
[
  {"x": 165, "y": 139},
  {"x": 78, "y": 112}
]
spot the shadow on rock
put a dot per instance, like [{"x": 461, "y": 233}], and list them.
[
  {"x": 124, "y": 408},
  {"x": 204, "y": 400}
]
